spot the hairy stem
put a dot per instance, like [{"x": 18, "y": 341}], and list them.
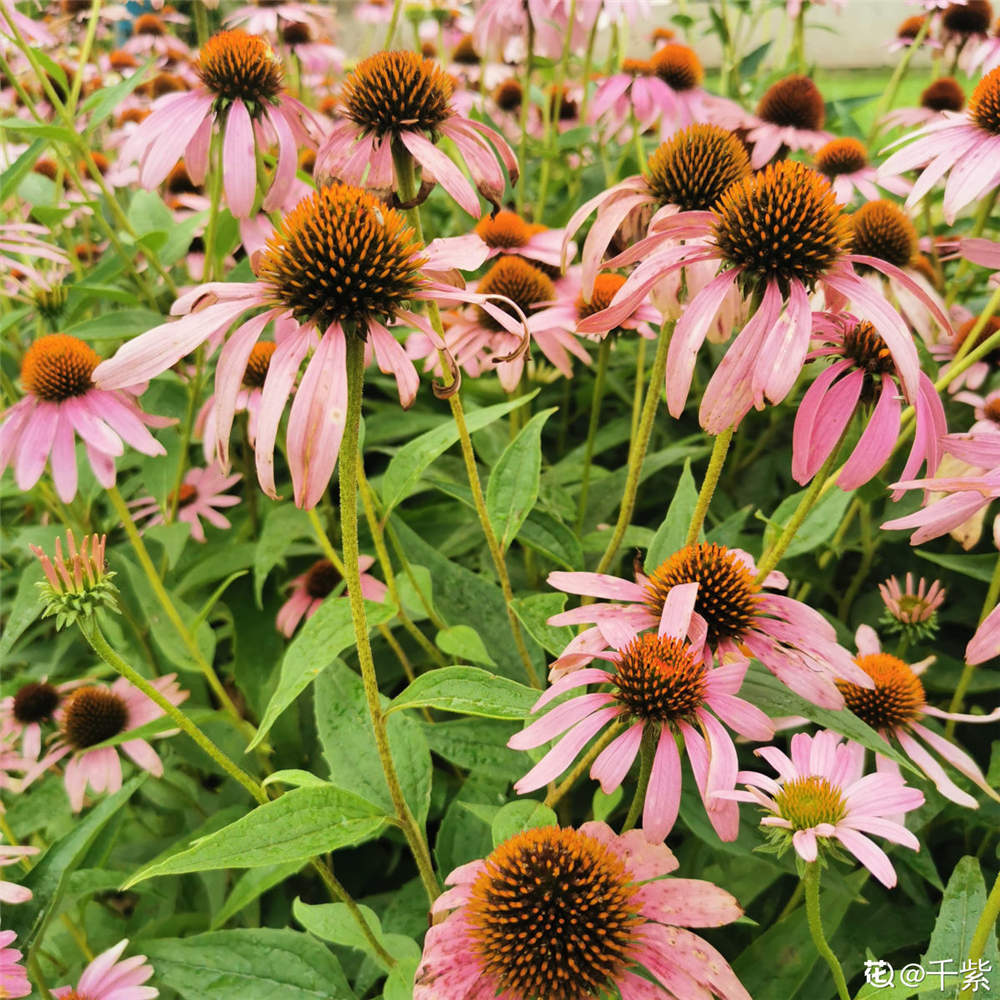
[
  {"x": 603, "y": 354},
  {"x": 816, "y": 929},
  {"x": 712, "y": 473},
  {"x": 646, "y": 753}
]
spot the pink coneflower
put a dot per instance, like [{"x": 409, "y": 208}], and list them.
[
  {"x": 845, "y": 163},
  {"x": 507, "y": 233},
  {"x": 965, "y": 146},
  {"x": 985, "y": 644},
  {"x": 912, "y": 604},
  {"x": 201, "y": 495},
  {"x": 661, "y": 687},
  {"x": 479, "y": 340},
  {"x": 906, "y": 34},
  {"x": 687, "y": 173},
  {"x": 862, "y": 374},
  {"x": 108, "y": 979},
  {"x": 13, "y": 979},
  {"x": 22, "y": 239},
  {"x": 340, "y": 265},
  {"x": 894, "y": 707},
  {"x": 587, "y": 908},
  {"x": 985, "y": 253},
  {"x": 985, "y": 57},
  {"x": 794, "y": 642},
  {"x": 966, "y": 22},
  {"x": 941, "y": 95},
  {"x": 400, "y": 98},
  {"x": 635, "y": 91},
  {"x": 11, "y": 892},
  {"x": 311, "y": 588},
  {"x": 822, "y": 794},
  {"x": 271, "y": 18},
  {"x": 22, "y": 714},
  {"x": 780, "y": 234},
  {"x": 63, "y": 401},
  {"x": 240, "y": 92},
  {"x": 95, "y": 713},
  {"x": 684, "y": 100}
]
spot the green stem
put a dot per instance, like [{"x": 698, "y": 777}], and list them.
[
  {"x": 556, "y": 794},
  {"x": 885, "y": 105},
  {"x": 522, "y": 144},
  {"x": 799, "y": 43},
  {"x": 554, "y": 112},
  {"x": 985, "y": 926},
  {"x": 588, "y": 62},
  {"x": 647, "y": 752},
  {"x": 715, "y": 463},
  {"x": 983, "y": 216},
  {"x": 640, "y": 443},
  {"x": 142, "y": 553},
  {"x": 200, "y": 23},
  {"x": 390, "y": 32},
  {"x": 603, "y": 354},
  {"x": 214, "y": 203},
  {"x": 348, "y": 467},
  {"x": 36, "y": 974},
  {"x": 969, "y": 669},
  {"x": 816, "y": 929},
  {"x": 93, "y": 19},
  {"x": 817, "y": 487},
  {"x": 187, "y": 428},
  {"x": 640, "y": 375}
]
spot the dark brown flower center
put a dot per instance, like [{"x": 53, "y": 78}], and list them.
[
  {"x": 962, "y": 334},
  {"x": 321, "y": 579},
  {"x": 605, "y": 288},
  {"x": 258, "y": 363},
  {"x": 897, "y": 698},
  {"x": 92, "y": 715},
  {"x": 120, "y": 60},
  {"x": 508, "y": 95},
  {"x": 794, "y": 101},
  {"x": 553, "y": 915},
  {"x": 984, "y": 105},
  {"x": 561, "y": 105},
  {"x": 505, "y": 231},
  {"x": 659, "y": 679},
  {"x": 807, "y": 802},
  {"x": 519, "y": 281},
  {"x": 782, "y": 223},
  {"x": 58, "y": 366},
  {"x": 841, "y": 156},
  {"x": 727, "y": 594},
  {"x": 866, "y": 348},
  {"x": 677, "y": 66},
  {"x": 35, "y": 702},
  {"x": 970, "y": 18},
  {"x": 693, "y": 168},
  {"x": 910, "y": 28},
  {"x": 465, "y": 53},
  {"x": 296, "y": 33},
  {"x": 944, "y": 94},
  {"x": 341, "y": 256},
  {"x": 991, "y": 409},
  {"x": 881, "y": 229},
  {"x": 392, "y": 91},
  {"x": 149, "y": 24},
  {"x": 179, "y": 180},
  {"x": 236, "y": 66}
]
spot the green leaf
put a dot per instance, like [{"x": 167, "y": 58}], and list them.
[
  {"x": 345, "y": 733},
  {"x": 295, "y": 777},
  {"x": 463, "y": 641},
  {"x": 248, "y": 964},
  {"x": 468, "y": 691},
  {"x": 535, "y": 610},
  {"x": 764, "y": 690},
  {"x": 26, "y": 607},
  {"x": 250, "y": 886},
  {"x": 475, "y": 744},
  {"x": 979, "y": 567},
  {"x": 120, "y": 324},
  {"x": 399, "y": 985},
  {"x": 323, "y": 637},
  {"x": 100, "y": 104},
  {"x": 333, "y": 922},
  {"x": 39, "y": 130},
  {"x": 173, "y": 538},
  {"x": 301, "y": 824},
  {"x": 513, "y": 485},
  {"x": 11, "y": 178},
  {"x": 284, "y": 524},
  {"x": 547, "y": 535},
  {"x": 408, "y": 464},
  {"x": 819, "y": 526},
  {"x": 671, "y": 533},
  {"x": 518, "y": 816},
  {"x": 47, "y": 879}
]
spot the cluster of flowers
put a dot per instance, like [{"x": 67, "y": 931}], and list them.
[{"x": 762, "y": 224}]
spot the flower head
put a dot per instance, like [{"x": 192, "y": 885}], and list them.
[
  {"x": 558, "y": 912},
  {"x": 822, "y": 796},
  {"x": 911, "y": 609},
  {"x": 310, "y": 589},
  {"x": 106, "y": 977},
  {"x": 13, "y": 979},
  {"x": 201, "y": 495},
  {"x": 76, "y": 585},
  {"x": 23, "y": 713}
]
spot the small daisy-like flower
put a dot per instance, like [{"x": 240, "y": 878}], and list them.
[
  {"x": 201, "y": 495},
  {"x": 241, "y": 95},
  {"x": 794, "y": 642},
  {"x": 822, "y": 796},
  {"x": 780, "y": 235},
  {"x": 11, "y": 892},
  {"x": 95, "y": 713},
  {"x": 966, "y": 146},
  {"x": 911, "y": 609},
  {"x": 22, "y": 713},
  {"x": 78, "y": 584},
  {"x": 341, "y": 264},
  {"x": 63, "y": 401},
  {"x": 311, "y": 588},
  {"x": 894, "y": 708},
  {"x": 13, "y": 979},
  {"x": 661, "y": 688},
  {"x": 683, "y": 99},
  {"x": 574, "y": 914},
  {"x": 845, "y": 163},
  {"x": 862, "y": 375},
  {"x": 985, "y": 644},
  {"x": 106, "y": 978},
  {"x": 396, "y": 98}
]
